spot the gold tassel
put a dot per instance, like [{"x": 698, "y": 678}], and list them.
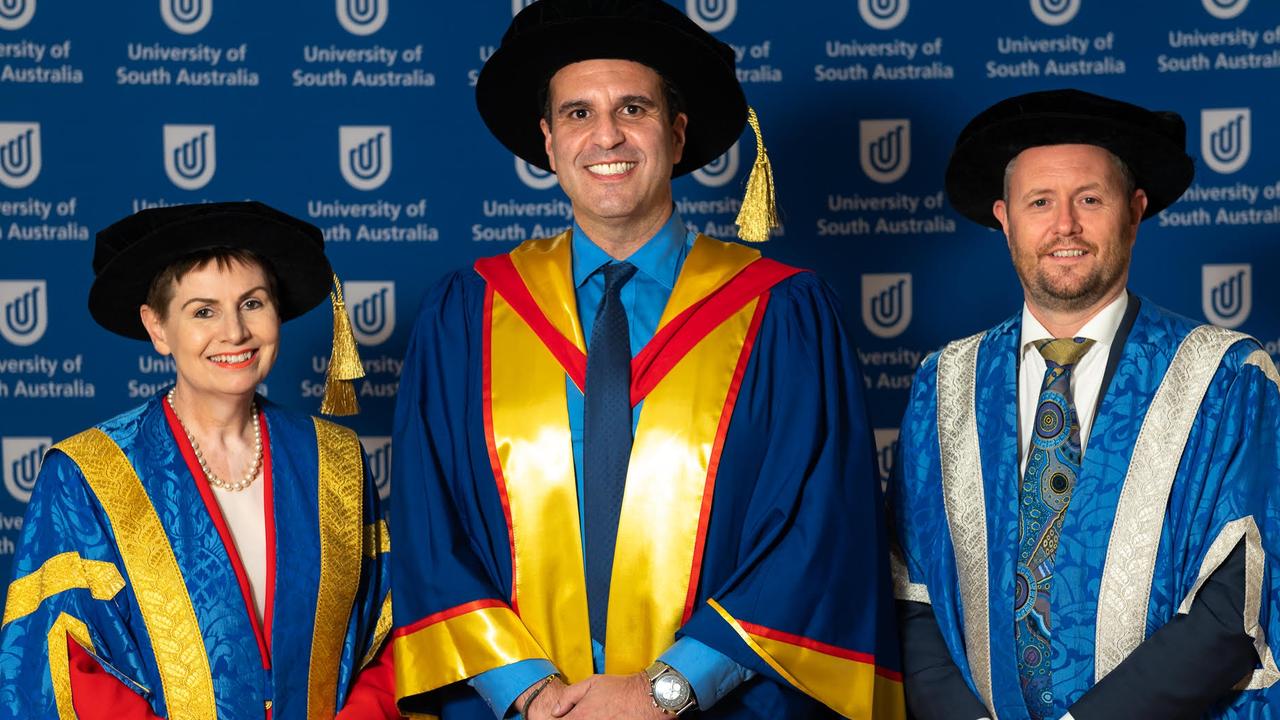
[
  {"x": 344, "y": 362},
  {"x": 759, "y": 212}
]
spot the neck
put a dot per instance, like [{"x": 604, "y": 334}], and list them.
[
  {"x": 220, "y": 419},
  {"x": 622, "y": 237},
  {"x": 1067, "y": 323}
]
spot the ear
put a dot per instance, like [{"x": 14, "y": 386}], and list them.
[
  {"x": 1001, "y": 210},
  {"x": 1137, "y": 208},
  {"x": 546, "y": 138},
  {"x": 155, "y": 328},
  {"x": 678, "y": 128}
]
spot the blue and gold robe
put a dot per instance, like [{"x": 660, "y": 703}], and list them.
[
  {"x": 119, "y": 554},
  {"x": 751, "y": 519},
  {"x": 1182, "y": 464}
]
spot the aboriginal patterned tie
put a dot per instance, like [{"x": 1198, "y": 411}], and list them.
[
  {"x": 606, "y": 439},
  {"x": 1043, "y": 497}
]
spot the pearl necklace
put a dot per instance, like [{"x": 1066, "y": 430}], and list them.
[{"x": 250, "y": 475}]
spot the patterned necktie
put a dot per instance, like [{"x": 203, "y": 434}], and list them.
[
  {"x": 1043, "y": 497},
  {"x": 606, "y": 439}
]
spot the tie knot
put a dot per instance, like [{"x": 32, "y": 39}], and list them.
[
  {"x": 616, "y": 275},
  {"x": 1064, "y": 351}
]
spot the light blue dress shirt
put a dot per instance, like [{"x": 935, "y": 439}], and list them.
[{"x": 711, "y": 673}]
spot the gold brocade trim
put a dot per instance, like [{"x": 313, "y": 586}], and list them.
[
  {"x": 709, "y": 265},
  {"x": 62, "y": 572},
  {"x": 530, "y": 426},
  {"x": 380, "y": 631},
  {"x": 341, "y": 485},
  {"x": 1125, "y": 590},
  {"x": 546, "y": 267},
  {"x": 377, "y": 539},
  {"x": 60, "y": 660},
  {"x": 460, "y": 647},
  {"x": 1261, "y": 360},
  {"x": 666, "y": 479},
  {"x": 903, "y": 588},
  {"x": 153, "y": 573},
  {"x": 1245, "y": 529},
  {"x": 964, "y": 500}
]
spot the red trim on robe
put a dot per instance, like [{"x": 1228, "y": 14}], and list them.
[
  {"x": 219, "y": 522},
  {"x": 449, "y": 614},
  {"x": 99, "y": 695},
  {"x": 819, "y": 646},
  {"x": 717, "y": 448},
  {"x": 373, "y": 696}
]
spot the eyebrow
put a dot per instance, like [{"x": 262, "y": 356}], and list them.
[
  {"x": 569, "y": 106},
  {"x": 212, "y": 301},
  {"x": 1037, "y": 191}
]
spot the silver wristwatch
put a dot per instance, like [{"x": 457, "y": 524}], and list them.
[{"x": 670, "y": 691}]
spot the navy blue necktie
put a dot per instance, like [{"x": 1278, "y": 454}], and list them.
[{"x": 606, "y": 439}]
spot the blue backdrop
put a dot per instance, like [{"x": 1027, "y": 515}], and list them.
[{"x": 359, "y": 116}]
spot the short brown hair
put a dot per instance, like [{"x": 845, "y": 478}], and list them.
[{"x": 160, "y": 293}]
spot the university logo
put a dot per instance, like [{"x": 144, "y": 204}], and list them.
[
  {"x": 1225, "y": 9},
  {"x": 190, "y": 155},
  {"x": 15, "y": 14},
  {"x": 378, "y": 449},
  {"x": 24, "y": 311},
  {"x": 518, "y": 5},
  {"x": 185, "y": 16},
  {"x": 1225, "y": 138},
  {"x": 885, "y": 148},
  {"x": 886, "y": 450},
  {"x": 535, "y": 177},
  {"x": 1226, "y": 294},
  {"x": 883, "y": 14},
  {"x": 364, "y": 155},
  {"x": 362, "y": 17},
  {"x": 372, "y": 309},
  {"x": 19, "y": 153},
  {"x": 712, "y": 15},
  {"x": 721, "y": 171},
  {"x": 22, "y": 457},
  {"x": 886, "y": 303},
  {"x": 1055, "y": 12}
]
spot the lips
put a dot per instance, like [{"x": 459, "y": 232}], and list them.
[
  {"x": 234, "y": 361},
  {"x": 611, "y": 168}
]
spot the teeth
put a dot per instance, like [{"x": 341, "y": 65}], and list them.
[
  {"x": 1068, "y": 253},
  {"x": 616, "y": 168},
  {"x": 240, "y": 357}
]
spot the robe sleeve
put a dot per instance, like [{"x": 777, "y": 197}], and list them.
[
  {"x": 66, "y": 607},
  {"x": 808, "y": 603},
  {"x": 452, "y": 617}
]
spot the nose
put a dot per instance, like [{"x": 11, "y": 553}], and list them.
[
  {"x": 235, "y": 328},
  {"x": 1066, "y": 222},
  {"x": 607, "y": 132}
]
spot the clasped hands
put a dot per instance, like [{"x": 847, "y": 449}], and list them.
[{"x": 599, "y": 696}]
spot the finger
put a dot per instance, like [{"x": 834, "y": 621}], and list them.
[{"x": 570, "y": 696}]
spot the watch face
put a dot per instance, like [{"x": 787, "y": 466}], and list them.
[{"x": 671, "y": 692}]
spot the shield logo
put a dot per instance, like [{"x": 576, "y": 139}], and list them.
[
  {"x": 24, "y": 311},
  {"x": 190, "y": 155},
  {"x": 378, "y": 449},
  {"x": 885, "y": 148},
  {"x": 364, "y": 155},
  {"x": 886, "y": 450},
  {"x": 1225, "y": 9},
  {"x": 518, "y": 5},
  {"x": 1055, "y": 12},
  {"x": 15, "y": 14},
  {"x": 19, "y": 154},
  {"x": 886, "y": 303},
  {"x": 1226, "y": 138},
  {"x": 1226, "y": 294},
  {"x": 186, "y": 17},
  {"x": 362, "y": 17},
  {"x": 883, "y": 14},
  {"x": 535, "y": 177},
  {"x": 712, "y": 15},
  {"x": 22, "y": 457},
  {"x": 721, "y": 171},
  {"x": 371, "y": 306}
]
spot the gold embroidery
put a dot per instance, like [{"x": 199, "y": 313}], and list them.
[
  {"x": 153, "y": 572},
  {"x": 60, "y": 660},
  {"x": 65, "y": 571},
  {"x": 964, "y": 500},
  {"x": 379, "y": 633},
  {"x": 341, "y": 485},
  {"x": 1125, "y": 591},
  {"x": 903, "y": 588},
  {"x": 377, "y": 540}
]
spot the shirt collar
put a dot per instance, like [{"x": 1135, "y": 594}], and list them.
[
  {"x": 1101, "y": 328},
  {"x": 658, "y": 258}
]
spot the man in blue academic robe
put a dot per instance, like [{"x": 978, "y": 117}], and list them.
[
  {"x": 1086, "y": 500},
  {"x": 701, "y": 528}
]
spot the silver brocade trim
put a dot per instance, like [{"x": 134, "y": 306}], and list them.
[
  {"x": 1254, "y": 562},
  {"x": 1261, "y": 360},
  {"x": 964, "y": 500},
  {"x": 903, "y": 588},
  {"x": 1125, "y": 591}
]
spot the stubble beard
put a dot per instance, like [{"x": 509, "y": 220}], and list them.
[{"x": 1060, "y": 291}]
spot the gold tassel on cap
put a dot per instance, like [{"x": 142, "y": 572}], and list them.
[
  {"x": 344, "y": 362},
  {"x": 759, "y": 212}
]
